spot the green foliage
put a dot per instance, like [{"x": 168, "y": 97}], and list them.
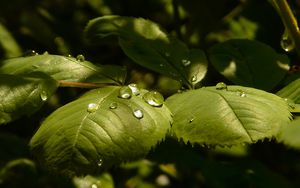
[
  {"x": 225, "y": 116},
  {"x": 102, "y": 128},
  {"x": 104, "y": 122}
]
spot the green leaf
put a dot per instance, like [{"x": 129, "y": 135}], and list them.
[
  {"x": 64, "y": 68},
  {"x": 104, "y": 180},
  {"x": 103, "y": 128},
  {"x": 23, "y": 95},
  {"x": 227, "y": 115},
  {"x": 291, "y": 92},
  {"x": 290, "y": 136},
  {"x": 249, "y": 63},
  {"x": 8, "y": 43},
  {"x": 148, "y": 45}
]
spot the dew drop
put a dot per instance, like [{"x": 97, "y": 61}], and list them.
[
  {"x": 134, "y": 89},
  {"x": 94, "y": 186},
  {"x": 100, "y": 163},
  {"x": 43, "y": 95},
  {"x": 287, "y": 44},
  {"x": 92, "y": 107},
  {"x": 243, "y": 94},
  {"x": 138, "y": 114},
  {"x": 45, "y": 53},
  {"x": 125, "y": 92},
  {"x": 221, "y": 86},
  {"x": 31, "y": 53},
  {"x": 185, "y": 62},
  {"x": 191, "y": 120},
  {"x": 194, "y": 78},
  {"x": 80, "y": 58},
  {"x": 113, "y": 105},
  {"x": 69, "y": 55},
  {"x": 154, "y": 98}
]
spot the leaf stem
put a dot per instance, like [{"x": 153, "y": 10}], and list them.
[
  {"x": 289, "y": 21},
  {"x": 81, "y": 84}
]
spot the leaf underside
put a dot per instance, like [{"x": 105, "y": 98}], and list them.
[
  {"x": 228, "y": 116},
  {"x": 74, "y": 140},
  {"x": 23, "y": 95}
]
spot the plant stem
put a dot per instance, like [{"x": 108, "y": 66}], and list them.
[
  {"x": 81, "y": 84},
  {"x": 289, "y": 21}
]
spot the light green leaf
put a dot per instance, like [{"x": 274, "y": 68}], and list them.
[
  {"x": 103, "y": 128},
  {"x": 227, "y": 115},
  {"x": 291, "y": 92},
  {"x": 105, "y": 180},
  {"x": 290, "y": 136},
  {"x": 148, "y": 45},
  {"x": 64, "y": 68},
  {"x": 249, "y": 63},
  {"x": 23, "y": 95}
]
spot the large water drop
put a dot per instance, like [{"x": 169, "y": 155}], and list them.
[
  {"x": 125, "y": 92},
  {"x": 92, "y": 107},
  {"x": 221, "y": 86},
  {"x": 134, "y": 89},
  {"x": 43, "y": 95},
  {"x": 138, "y": 114},
  {"x": 154, "y": 98},
  {"x": 287, "y": 43},
  {"x": 80, "y": 58}
]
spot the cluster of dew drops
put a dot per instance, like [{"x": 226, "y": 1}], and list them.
[
  {"x": 223, "y": 86},
  {"x": 153, "y": 98}
]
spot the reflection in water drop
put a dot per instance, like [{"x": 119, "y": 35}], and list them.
[
  {"x": 113, "y": 105},
  {"x": 125, "y": 92},
  {"x": 138, "y": 114},
  {"x": 194, "y": 78},
  {"x": 287, "y": 43},
  {"x": 221, "y": 86},
  {"x": 43, "y": 95},
  {"x": 154, "y": 98},
  {"x": 243, "y": 94},
  {"x": 100, "y": 163},
  {"x": 92, "y": 107},
  {"x": 134, "y": 89}
]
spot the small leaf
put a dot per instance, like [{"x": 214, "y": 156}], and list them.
[
  {"x": 228, "y": 116},
  {"x": 290, "y": 136},
  {"x": 249, "y": 63},
  {"x": 64, "y": 69},
  {"x": 89, "y": 134},
  {"x": 23, "y": 95},
  {"x": 148, "y": 45},
  {"x": 8, "y": 43}
]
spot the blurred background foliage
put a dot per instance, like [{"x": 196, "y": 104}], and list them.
[{"x": 57, "y": 26}]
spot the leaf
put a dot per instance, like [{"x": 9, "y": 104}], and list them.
[
  {"x": 291, "y": 91},
  {"x": 100, "y": 130},
  {"x": 64, "y": 69},
  {"x": 8, "y": 43},
  {"x": 227, "y": 116},
  {"x": 290, "y": 136},
  {"x": 148, "y": 45},
  {"x": 249, "y": 63},
  {"x": 23, "y": 95},
  {"x": 104, "y": 180}
]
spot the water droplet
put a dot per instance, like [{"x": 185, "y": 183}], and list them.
[
  {"x": 134, "y": 89},
  {"x": 194, "y": 78},
  {"x": 191, "y": 120},
  {"x": 100, "y": 163},
  {"x": 92, "y": 107},
  {"x": 43, "y": 95},
  {"x": 154, "y": 98},
  {"x": 243, "y": 94},
  {"x": 221, "y": 86},
  {"x": 125, "y": 92},
  {"x": 31, "y": 53},
  {"x": 167, "y": 54},
  {"x": 138, "y": 114},
  {"x": 287, "y": 44},
  {"x": 161, "y": 65},
  {"x": 113, "y": 105},
  {"x": 185, "y": 62},
  {"x": 80, "y": 58},
  {"x": 69, "y": 55},
  {"x": 94, "y": 186},
  {"x": 45, "y": 53}
]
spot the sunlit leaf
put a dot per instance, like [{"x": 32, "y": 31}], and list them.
[
  {"x": 291, "y": 91},
  {"x": 23, "y": 95},
  {"x": 228, "y": 115},
  {"x": 102, "y": 128},
  {"x": 64, "y": 68},
  {"x": 249, "y": 63},
  {"x": 148, "y": 45}
]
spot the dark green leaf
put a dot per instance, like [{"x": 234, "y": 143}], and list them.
[
  {"x": 8, "y": 43},
  {"x": 102, "y": 128},
  {"x": 64, "y": 68},
  {"x": 23, "y": 95},
  {"x": 148, "y": 45},
  {"x": 228, "y": 115},
  {"x": 249, "y": 63}
]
